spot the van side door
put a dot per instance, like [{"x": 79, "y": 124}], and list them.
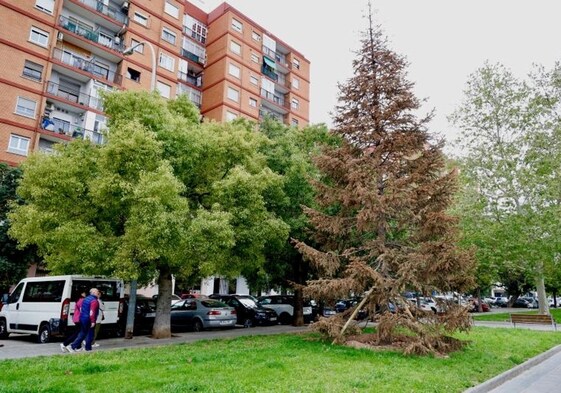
[{"x": 11, "y": 310}]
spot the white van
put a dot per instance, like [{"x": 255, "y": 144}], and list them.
[{"x": 44, "y": 305}]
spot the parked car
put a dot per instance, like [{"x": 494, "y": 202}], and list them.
[
  {"x": 345, "y": 304},
  {"x": 145, "y": 313},
  {"x": 174, "y": 298},
  {"x": 521, "y": 303},
  {"x": 248, "y": 310},
  {"x": 200, "y": 314},
  {"x": 284, "y": 307},
  {"x": 501, "y": 301},
  {"x": 321, "y": 310}
]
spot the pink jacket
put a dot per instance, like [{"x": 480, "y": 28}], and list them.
[{"x": 77, "y": 308}]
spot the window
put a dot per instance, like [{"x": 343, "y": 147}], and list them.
[
  {"x": 165, "y": 90},
  {"x": 254, "y": 58},
  {"x": 234, "y": 70},
  {"x": 39, "y": 37},
  {"x": 237, "y": 25},
  {"x": 294, "y": 103},
  {"x": 172, "y": 10},
  {"x": 167, "y": 62},
  {"x": 18, "y": 145},
  {"x": 168, "y": 36},
  {"x": 45, "y": 5},
  {"x": 197, "y": 50},
  {"x": 253, "y": 102},
  {"x": 255, "y": 36},
  {"x": 133, "y": 74},
  {"x": 295, "y": 83},
  {"x": 139, "y": 48},
  {"x": 44, "y": 291},
  {"x": 33, "y": 70},
  {"x": 254, "y": 80},
  {"x": 235, "y": 48},
  {"x": 26, "y": 107},
  {"x": 294, "y": 122},
  {"x": 194, "y": 28},
  {"x": 230, "y": 116},
  {"x": 233, "y": 94},
  {"x": 296, "y": 63},
  {"x": 141, "y": 19}
]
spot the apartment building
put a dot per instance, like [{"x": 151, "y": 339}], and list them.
[{"x": 56, "y": 56}]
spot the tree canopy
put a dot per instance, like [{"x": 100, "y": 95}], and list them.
[{"x": 165, "y": 195}]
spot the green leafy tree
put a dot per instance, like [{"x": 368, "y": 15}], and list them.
[
  {"x": 14, "y": 262},
  {"x": 289, "y": 153},
  {"x": 382, "y": 226},
  {"x": 511, "y": 161},
  {"x": 164, "y": 196}
]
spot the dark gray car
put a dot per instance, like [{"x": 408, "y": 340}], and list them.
[{"x": 200, "y": 314}]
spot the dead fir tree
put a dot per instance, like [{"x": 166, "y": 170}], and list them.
[{"x": 382, "y": 225}]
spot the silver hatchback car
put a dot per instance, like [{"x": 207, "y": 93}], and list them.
[{"x": 200, "y": 314}]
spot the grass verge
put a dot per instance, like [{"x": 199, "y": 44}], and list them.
[
  {"x": 278, "y": 363},
  {"x": 505, "y": 316}
]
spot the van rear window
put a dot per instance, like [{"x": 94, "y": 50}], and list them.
[
  {"x": 43, "y": 291},
  {"x": 110, "y": 289}
]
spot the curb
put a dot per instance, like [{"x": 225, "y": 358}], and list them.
[{"x": 495, "y": 382}]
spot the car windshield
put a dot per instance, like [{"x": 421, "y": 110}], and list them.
[
  {"x": 248, "y": 302},
  {"x": 213, "y": 303}
]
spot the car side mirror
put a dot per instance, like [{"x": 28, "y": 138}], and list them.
[{"x": 5, "y": 298}]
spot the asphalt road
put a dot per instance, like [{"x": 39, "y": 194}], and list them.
[{"x": 19, "y": 346}]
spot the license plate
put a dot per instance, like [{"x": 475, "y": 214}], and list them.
[
  {"x": 225, "y": 322},
  {"x": 273, "y": 319}
]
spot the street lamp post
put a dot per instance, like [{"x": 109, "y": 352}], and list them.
[
  {"x": 130, "y": 51},
  {"x": 129, "y": 330}
]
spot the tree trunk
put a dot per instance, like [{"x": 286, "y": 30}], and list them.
[
  {"x": 298, "y": 319},
  {"x": 162, "y": 326},
  {"x": 479, "y": 305},
  {"x": 540, "y": 286}
]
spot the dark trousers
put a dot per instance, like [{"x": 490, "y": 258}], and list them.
[
  {"x": 86, "y": 332},
  {"x": 70, "y": 339}
]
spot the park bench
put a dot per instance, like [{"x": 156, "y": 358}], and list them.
[{"x": 533, "y": 319}]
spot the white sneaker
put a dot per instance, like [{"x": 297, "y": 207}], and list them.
[
  {"x": 70, "y": 349},
  {"x": 95, "y": 345}
]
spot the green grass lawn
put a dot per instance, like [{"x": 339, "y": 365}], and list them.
[
  {"x": 278, "y": 363},
  {"x": 505, "y": 317}
]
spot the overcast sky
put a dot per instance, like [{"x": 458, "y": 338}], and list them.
[{"x": 444, "y": 41}]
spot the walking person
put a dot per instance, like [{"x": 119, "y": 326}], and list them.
[
  {"x": 88, "y": 317},
  {"x": 76, "y": 320},
  {"x": 100, "y": 317}
]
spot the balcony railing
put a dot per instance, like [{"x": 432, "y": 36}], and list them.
[
  {"x": 194, "y": 80},
  {"x": 267, "y": 72},
  {"x": 273, "y": 97},
  {"x": 268, "y": 52},
  {"x": 73, "y": 96},
  {"x": 72, "y": 130},
  {"x": 191, "y": 56},
  {"x": 192, "y": 94},
  {"x": 263, "y": 114},
  {"x": 193, "y": 34},
  {"x": 86, "y": 65},
  {"x": 112, "y": 12},
  {"x": 280, "y": 58},
  {"x": 89, "y": 34}
]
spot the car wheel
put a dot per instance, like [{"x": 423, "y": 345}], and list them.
[
  {"x": 3, "y": 329},
  {"x": 44, "y": 335},
  {"x": 197, "y": 326},
  {"x": 248, "y": 323},
  {"x": 285, "y": 318}
]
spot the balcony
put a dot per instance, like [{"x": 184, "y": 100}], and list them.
[
  {"x": 194, "y": 35},
  {"x": 191, "y": 56},
  {"x": 87, "y": 65},
  {"x": 75, "y": 131},
  {"x": 112, "y": 12},
  {"x": 98, "y": 37},
  {"x": 189, "y": 78},
  {"x": 73, "y": 96},
  {"x": 278, "y": 100},
  {"x": 269, "y": 73}
]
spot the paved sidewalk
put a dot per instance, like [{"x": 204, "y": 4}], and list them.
[{"x": 540, "y": 374}]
